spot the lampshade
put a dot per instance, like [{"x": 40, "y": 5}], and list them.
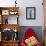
[{"x": 15, "y": 30}]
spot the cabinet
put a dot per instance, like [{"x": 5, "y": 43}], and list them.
[{"x": 9, "y": 27}]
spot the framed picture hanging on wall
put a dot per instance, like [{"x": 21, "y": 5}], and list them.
[{"x": 30, "y": 13}]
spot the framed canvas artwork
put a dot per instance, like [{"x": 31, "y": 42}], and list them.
[{"x": 30, "y": 13}]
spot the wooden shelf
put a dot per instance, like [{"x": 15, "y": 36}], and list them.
[
  {"x": 9, "y": 8},
  {"x": 11, "y": 26},
  {"x": 9, "y": 43},
  {"x": 4, "y": 12}
]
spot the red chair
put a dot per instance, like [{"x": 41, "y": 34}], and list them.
[{"x": 29, "y": 33}]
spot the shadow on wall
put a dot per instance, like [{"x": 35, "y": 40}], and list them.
[{"x": 37, "y": 29}]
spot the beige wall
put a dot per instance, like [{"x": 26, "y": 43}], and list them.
[{"x": 22, "y": 11}]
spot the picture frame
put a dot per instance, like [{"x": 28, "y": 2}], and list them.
[
  {"x": 13, "y": 12},
  {"x": 30, "y": 13},
  {"x": 13, "y": 20},
  {"x": 5, "y": 12}
]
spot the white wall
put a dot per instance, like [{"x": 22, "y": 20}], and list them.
[{"x": 22, "y": 11}]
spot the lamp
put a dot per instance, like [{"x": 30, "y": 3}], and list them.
[
  {"x": 15, "y": 34},
  {"x": 15, "y": 3},
  {"x": 15, "y": 30}
]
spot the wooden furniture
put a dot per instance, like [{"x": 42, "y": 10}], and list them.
[
  {"x": 11, "y": 26},
  {"x": 44, "y": 4},
  {"x": 5, "y": 12},
  {"x": 8, "y": 11},
  {"x": 10, "y": 43}
]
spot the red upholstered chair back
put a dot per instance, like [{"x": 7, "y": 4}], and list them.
[{"x": 29, "y": 33}]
